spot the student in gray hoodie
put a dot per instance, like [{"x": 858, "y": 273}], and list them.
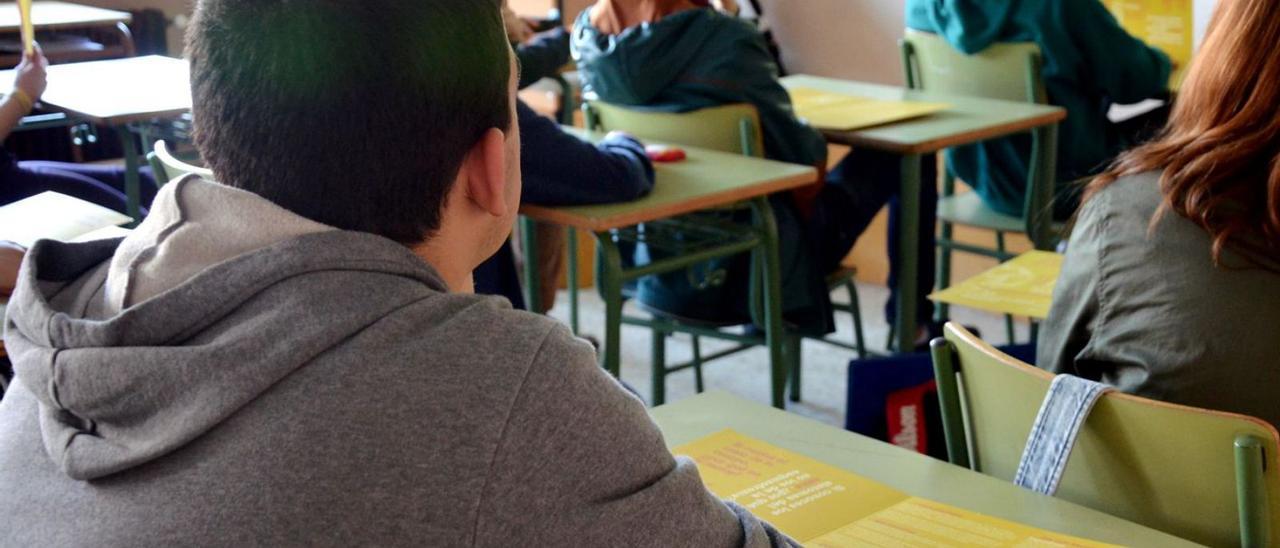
[{"x": 292, "y": 357}]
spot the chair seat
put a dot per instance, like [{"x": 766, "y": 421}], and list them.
[{"x": 969, "y": 210}]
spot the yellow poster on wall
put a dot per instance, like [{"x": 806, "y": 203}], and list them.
[{"x": 1165, "y": 24}]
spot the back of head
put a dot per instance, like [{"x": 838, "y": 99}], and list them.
[
  {"x": 356, "y": 114},
  {"x": 1220, "y": 152}
]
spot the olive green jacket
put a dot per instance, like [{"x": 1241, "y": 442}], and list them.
[{"x": 1143, "y": 307}]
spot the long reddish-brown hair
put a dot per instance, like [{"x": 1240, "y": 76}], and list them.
[{"x": 1220, "y": 152}]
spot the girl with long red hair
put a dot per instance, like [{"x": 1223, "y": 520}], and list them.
[{"x": 1171, "y": 287}]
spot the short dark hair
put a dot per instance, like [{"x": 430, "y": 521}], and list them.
[{"x": 352, "y": 113}]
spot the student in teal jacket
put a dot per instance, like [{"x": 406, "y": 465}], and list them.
[
  {"x": 1089, "y": 63},
  {"x": 680, "y": 56}
]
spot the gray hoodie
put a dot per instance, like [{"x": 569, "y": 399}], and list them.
[{"x": 322, "y": 389}]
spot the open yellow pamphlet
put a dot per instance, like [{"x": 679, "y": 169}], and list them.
[
  {"x": 840, "y": 112},
  {"x": 820, "y": 505},
  {"x": 1021, "y": 287},
  {"x": 1165, "y": 24}
]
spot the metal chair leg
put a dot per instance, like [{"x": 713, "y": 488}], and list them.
[
  {"x": 942, "y": 312},
  {"x": 794, "y": 358},
  {"x": 1010, "y": 329},
  {"x": 659, "y": 373},
  {"x": 698, "y": 383},
  {"x": 859, "y": 337}
]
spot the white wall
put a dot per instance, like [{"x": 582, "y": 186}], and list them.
[{"x": 855, "y": 39}]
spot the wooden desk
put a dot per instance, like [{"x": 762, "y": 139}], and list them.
[
  {"x": 969, "y": 120},
  {"x": 705, "y": 180},
  {"x": 913, "y": 473},
  {"x": 116, "y": 93}
]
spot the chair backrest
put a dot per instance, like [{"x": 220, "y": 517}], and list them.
[
  {"x": 1007, "y": 71},
  {"x": 730, "y": 128},
  {"x": 1207, "y": 476},
  {"x": 168, "y": 167}
]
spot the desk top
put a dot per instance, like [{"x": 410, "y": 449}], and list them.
[
  {"x": 688, "y": 420},
  {"x": 969, "y": 120},
  {"x": 60, "y": 15},
  {"x": 117, "y": 91},
  {"x": 705, "y": 180}
]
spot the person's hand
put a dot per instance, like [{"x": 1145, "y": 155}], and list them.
[
  {"x": 518, "y": 30},
  {"x": 728, "y": 6},
  {"x": 11, "y": 255},
  {"x": 621, "y": 135},
  {"x": 32, "y": 76}
]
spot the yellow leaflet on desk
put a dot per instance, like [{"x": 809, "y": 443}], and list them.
[
  {"x": 1021, "y": 287},
  {"x": 821, "y": 505},
  {"x": 1165, "y": 24},
  {"x": 839, "y": 112}
]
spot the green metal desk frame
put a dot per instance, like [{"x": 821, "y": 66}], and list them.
[
  {"x": 611, "y": 275},
  {"x": 969, "y": 120}
]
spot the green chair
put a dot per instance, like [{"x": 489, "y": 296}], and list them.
[
  {"x": 1203, "y": 475},
  {"x": 1009, "y": 72},
  {"x": 730, "y": 128},
  {"x": 168, "y": 167}
]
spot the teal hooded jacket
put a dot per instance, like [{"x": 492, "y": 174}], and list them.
[
  {"x": 1089, "y": 63},
  {"x": 697, "y": 59}
]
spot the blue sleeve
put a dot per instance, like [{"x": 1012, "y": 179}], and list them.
[
  {"x": 1125, "y": 68},
  {"x": 543, "y": 56},
  {"x": 562, "y": 170}
]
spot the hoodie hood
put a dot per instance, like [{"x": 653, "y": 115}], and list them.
[
  {"x": 117, "y": 390},
  {"x": 635, "y": 66},
  {"x": 969, "y": 25}
]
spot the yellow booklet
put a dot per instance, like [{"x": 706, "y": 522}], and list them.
[
  {"x": 1021, "y": 287},
  {"x": 820, "y": 505},
  {"x": 1165, "y": 24},
  {"x": 839, "y": 112}
]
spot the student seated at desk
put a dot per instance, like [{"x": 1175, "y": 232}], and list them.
[
  {"x": 559, "y": 169},
  {"x": 1171, "y": 288},
  {"x": 101, "y": 185},
  {"x": 682, "y": 55},
  {"x": 292, "y": 355},
  {"x": 1089, "y": 63}
]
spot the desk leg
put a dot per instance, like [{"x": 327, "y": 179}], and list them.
[
  {"x": 775, "y": 337},
  {"x": 573, "y": 280},
  {"x": 132, "y": 178},
  {"x": 609, "y": 279},
  {"x": 532, "y": 278},
  {"x": 908, "y": 252}
]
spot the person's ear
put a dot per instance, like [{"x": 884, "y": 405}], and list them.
[{"x": 486, "y": 173}]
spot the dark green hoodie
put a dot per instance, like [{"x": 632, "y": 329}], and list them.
[
  {"x": 1090, "y": 62},
  {"x": 697, "y": 59},
  {"x": 691, "y": 60}
]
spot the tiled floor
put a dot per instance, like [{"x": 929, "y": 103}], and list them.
[{"x": 747, "y": 374}]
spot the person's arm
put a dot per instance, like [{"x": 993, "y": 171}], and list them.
[
  {"x": 1125, "y": 68},
  {"x": 562, "y": 170},
  {"x": 582, "y": 464},
  {"x": 754, "y": 75},
  {"x": 543, "y": 56},
  {"x": 27, "y": 89},
  {"x": 1075, "y": 313}
]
